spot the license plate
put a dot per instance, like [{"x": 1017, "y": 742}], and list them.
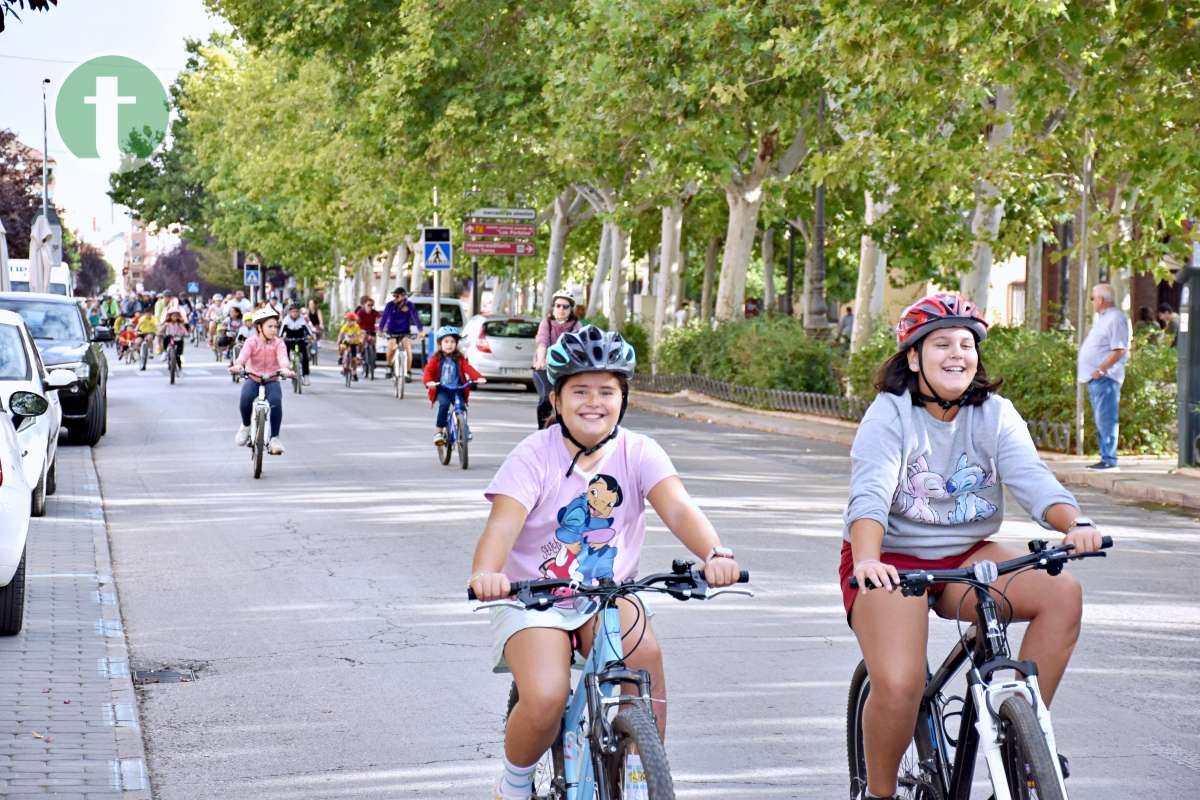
[{"x": 516, "y": 372}]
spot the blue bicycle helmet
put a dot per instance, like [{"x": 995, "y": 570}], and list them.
[{"x": 447, "y": 330}]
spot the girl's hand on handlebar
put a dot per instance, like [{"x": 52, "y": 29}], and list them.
[
  {"x": 490, "y": 585},
  {"x": 878, "y": 574},
  {"x": 721, "y": 571},
  {"x": 431, "y": 385},
  {"x": 234, "y": 369},
  {"x": 287, "y": 373},
  {"x": 1086, "y": 539},
  {"x": 480, "y": 380}
]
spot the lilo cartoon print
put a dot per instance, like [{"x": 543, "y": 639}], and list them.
[
  {"x": 585, "y": 530},
  {"x": 919, "y": 487},
  {"x": 962, "y": 485}
]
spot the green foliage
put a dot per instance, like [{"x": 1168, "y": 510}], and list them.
[
  {"x": 635, "y": 333},
  {"x": 767, "y": 352},
  {"x": 1038, "y": 370}
]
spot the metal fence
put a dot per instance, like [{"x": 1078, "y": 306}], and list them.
[{"x": 1046, "y": 435}]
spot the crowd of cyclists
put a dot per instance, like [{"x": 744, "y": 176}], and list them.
[{"x": 930, "y": 462}]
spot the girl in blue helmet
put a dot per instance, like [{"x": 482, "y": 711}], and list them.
[
  {"x": 447, "y": 367},
  {"x": 569, "y": 502}
]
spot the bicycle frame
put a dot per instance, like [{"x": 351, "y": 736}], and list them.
[
  {"x": 987, "y": 654},
  {"x": 598, "y": 689}
]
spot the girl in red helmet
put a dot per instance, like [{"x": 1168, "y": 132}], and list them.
[{"x": 930, "y": 462}]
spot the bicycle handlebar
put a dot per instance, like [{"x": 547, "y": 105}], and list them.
[
  {"x": 1041, "y": 556},
  {"x": 682, "y": 583},
  {"x": 458, "y": 388},
  {"x": 261, "y": 378}
]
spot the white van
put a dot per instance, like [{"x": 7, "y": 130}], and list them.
[{"x": 61, "y": 280}]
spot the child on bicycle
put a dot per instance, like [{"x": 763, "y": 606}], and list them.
[
  {"x": 448, "y": 367},
  {"x": 126, "y": 337},
  {"x": 297, "y": 333},
  {"x": 147, "y": 328},
  {"x": 173, "y": 328},
  {"x": 350, "y": 339},
  {"x": 929, "y": 465},
  {"x": 584, "y": 483},
  {"x": 262, "y": 357}
]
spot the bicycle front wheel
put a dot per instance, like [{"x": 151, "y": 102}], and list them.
[
  {"x": 1028, "y": 765},
  {"x": 260, "y": 435},
  {"x": 913, "y": 780},
  {"x": 639, "y": 768},
  {"x": 460, "y": 420},
  {"x": 172, "y": 364}
]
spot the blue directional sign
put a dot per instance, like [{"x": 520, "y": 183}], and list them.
[
  {"x": 439, "y": 251},
  {"x": 193, "y": 287},
  {"x": 253, "y": 277}
]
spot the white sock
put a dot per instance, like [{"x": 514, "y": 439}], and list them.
[{"x": 516, "y": 783}]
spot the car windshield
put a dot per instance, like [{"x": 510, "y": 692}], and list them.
[
  {"x": 451, "y": 314},
  {"x": 53, "y": 321},
  {"x": 14, "y": 366},
  {"x": 510, "y": 328}
]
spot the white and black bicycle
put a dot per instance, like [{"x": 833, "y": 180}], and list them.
[
  {"x": 1005, "y": 719},
  {"x": 400, "y": 364},
  {"x": 260, "y": 415}
]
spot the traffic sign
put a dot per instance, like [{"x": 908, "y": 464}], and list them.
[
  {"x": 253, "y": 277},
  {"x": 439, "y": 252},
  {"x": 512, "y": 230},
  {"x": 193, "y": 287},
  {"x": 500, "y": 248},
  {"x": 505, "y": 213}
]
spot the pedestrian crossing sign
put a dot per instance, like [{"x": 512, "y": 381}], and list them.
[{"x": 439, "y": 252}]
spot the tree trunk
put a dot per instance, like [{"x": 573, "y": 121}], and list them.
[
  {"x": 603, "y": 263},
  {"x": 739, "y": 244},
  {"x": 335, "y": 292},
  {"x": 619, "y": 254},
  {"x": 768, "y": 257},
  {"x": 559, "y": 228},
  {"x": 418, "y": 268},
  {"x": 668, "y": 270},
  {"x": 872, "y": 272},
  {"x": 711, "y": 252},
  {"x": 1033, "y": 285},
  {"x": 989, "y": 209}
]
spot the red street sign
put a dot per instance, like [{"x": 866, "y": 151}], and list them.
[
  {"x": 500, "y": 248},
  {"x": 512, "y": 230}
]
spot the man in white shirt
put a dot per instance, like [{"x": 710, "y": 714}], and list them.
[{"x": 1101, "y": 366}]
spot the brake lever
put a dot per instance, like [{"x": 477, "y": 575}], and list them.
[
  {"x": 498, "y": 604},
  {"x": 727, "y": 590}
]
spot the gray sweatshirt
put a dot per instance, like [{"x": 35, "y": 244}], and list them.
[{"x": 937, "y": 487}]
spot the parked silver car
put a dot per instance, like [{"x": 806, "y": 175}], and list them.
[{"x": 501, "y": 347}]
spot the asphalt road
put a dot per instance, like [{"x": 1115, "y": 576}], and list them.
[{"x": 322, "y": 607}]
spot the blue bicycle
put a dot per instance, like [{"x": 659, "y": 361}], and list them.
[
  {"x": 458, "y": 431},
  {"x": 599, "y": 754}
]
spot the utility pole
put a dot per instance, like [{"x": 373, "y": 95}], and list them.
[
  {"x": 816, "y": 318},
  {"x": 1081, "y": 287},
  {"x": 1189, "y": 361},
  {"x": 436, "y": 321},
  {"x": 45, "y": 154}
]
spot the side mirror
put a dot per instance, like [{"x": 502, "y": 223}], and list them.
[
  {"x": 59, "y": 379},
  {"x": 29, "y": 404},
  {"x": 102, "y": 333}
]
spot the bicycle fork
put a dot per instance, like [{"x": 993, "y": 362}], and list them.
[{"x": 987, "y": 698}]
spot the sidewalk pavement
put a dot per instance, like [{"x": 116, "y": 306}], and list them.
[
  {"x": 1144, "y": 479},
  {"x": 68, "y": 714}
]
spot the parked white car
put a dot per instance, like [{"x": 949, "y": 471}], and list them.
[
  {"x": 21, "y": 370},
  {"x": 15, "y": 501},
  {"x": 501, "y": 347}
]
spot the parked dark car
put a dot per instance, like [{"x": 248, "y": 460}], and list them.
[{"x": 66, "y": 341}]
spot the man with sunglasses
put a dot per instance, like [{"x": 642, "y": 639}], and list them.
[
  {"x": 559, "y": 320},
  {"x": 398, "y": 321}
]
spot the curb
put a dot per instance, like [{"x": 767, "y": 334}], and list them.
[{"x": 842, "y": 432}]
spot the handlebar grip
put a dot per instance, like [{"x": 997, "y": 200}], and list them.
[
  {"x": 744, "y": 576},
  {"x": 471, "y": 594},
  {"x": 1106, "y": 542},
  {"x": 853, "y": 582}
]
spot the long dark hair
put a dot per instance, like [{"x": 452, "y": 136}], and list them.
[{"x": 895, "y": 377}]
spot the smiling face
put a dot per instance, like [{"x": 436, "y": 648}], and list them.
[
  {"x": 590, "y": 405},
  {"x": 601, "y": 499},
  {"x": 950, "y": 359}
]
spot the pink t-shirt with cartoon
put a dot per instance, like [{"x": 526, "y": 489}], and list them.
[{"x": 590, "y": 525}]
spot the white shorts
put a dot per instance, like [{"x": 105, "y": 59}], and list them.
[{"x": 507, "y": 621}]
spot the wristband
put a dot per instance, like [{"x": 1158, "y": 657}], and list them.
[{"x": 478, "y": 575}]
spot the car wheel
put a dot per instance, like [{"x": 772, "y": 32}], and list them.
[
  {"x": 12, "y": 602},
  {"x": 52, "y": 478},
  {"x": 37, "y": 500},
  {"x": 97, "y": 411}
]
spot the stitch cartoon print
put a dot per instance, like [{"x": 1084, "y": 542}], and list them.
[
  {"x": 919, "y": 487},
  {"x": 962, "y": 485},
  {"x": 922, "y": 489},
  {"x": 585, "y": 532}
]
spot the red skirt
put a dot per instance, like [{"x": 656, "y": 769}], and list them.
[{"x": 901, "y": 562}]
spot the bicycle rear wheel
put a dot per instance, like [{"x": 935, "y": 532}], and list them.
[
  {"x": 460, "y": 422},
  {"x": 260, "y": 420},
  {"x": 637, "y": 735},
  {"x": 913, "y": 781},
  {"x": 1028, "y": 763},
  {"x": 549, "y": 781}
]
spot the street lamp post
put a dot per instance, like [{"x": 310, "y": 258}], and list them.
[
  {"x": 45, "y": 153},
  {"x": 1188, "y": 371}
]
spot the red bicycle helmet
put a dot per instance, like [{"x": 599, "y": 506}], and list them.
[{"x": 941, "y": 310}]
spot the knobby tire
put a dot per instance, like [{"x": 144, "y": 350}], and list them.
[
  {"x": 636, "y": 733},
  {"x": 260, "y": 418},
  {"x": 461, "y": 423},
  {"x": 1028, "y": 763}
]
